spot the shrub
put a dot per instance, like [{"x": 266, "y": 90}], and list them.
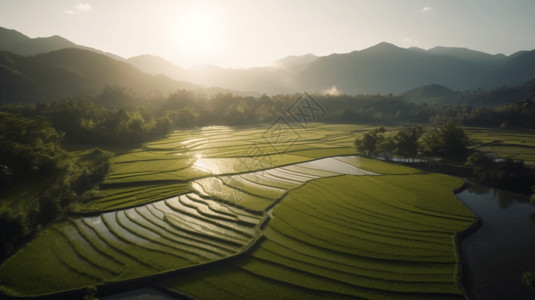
[{"x": 528, "y": 278}]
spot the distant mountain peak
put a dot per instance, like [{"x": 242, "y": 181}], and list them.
[
  {"x": 384, "y": 45},
  {"x": 18, "y": 43},
  {"x": 381, "y": 48},
  {"x": 9, "y": 37}
]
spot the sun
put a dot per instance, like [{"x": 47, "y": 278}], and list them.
[{"x": 196, "y": 31}]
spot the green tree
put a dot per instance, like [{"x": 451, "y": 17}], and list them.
[
  {"x": 448, "y": 139},
  {"x": 367, "y": 145},
  {"x": 28, "y": 146},
  {"x": 481, "y": 164},
  {"x": 407, "y": 142},
  {"x": 387, "y": 146}
]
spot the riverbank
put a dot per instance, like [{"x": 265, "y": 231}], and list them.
[
  {"x": 501, "y": 249},
  {"x": 459, "y": 169}
]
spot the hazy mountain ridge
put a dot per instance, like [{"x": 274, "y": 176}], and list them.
[
  {"x": 251, "y": 81},
  {"x": 18, "y": 43},
  {"x": 383, "y": 68},
  {"x": 386, "y": 68},
  {"x": 156, "y": 65},
  {"x": 297, "y": 59},
  {"x": 464, "y": 53},
  {"x": 71, "y": 72}
]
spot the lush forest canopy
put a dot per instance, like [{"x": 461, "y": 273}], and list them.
[
  {"x": 120, "y": 115},
  {"x": 39, "y": 179}
]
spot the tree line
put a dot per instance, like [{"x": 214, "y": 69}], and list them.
[
  {"x": 39, "y": 179},
  {"x": 446, "y": 140},
  {"x": 449, "y": 142},
  {"x": 120, "y": 116}
]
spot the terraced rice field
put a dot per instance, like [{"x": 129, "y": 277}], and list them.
[
  {"x": 376, "y": 237},
  {"x": 162, "y": 236},
  {"x": 518, "y": 144},
  {"x": 310, "y": 222},
  {"x": 151, "y": 173}
]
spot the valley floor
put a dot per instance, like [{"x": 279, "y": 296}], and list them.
[{"x": 298, "y": 214}]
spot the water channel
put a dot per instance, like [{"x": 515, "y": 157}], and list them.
[{"x": 496, "y": 255}]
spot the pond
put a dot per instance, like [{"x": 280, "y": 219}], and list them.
[{"x": 495, "y": 256}]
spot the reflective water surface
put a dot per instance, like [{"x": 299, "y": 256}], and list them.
[{"x": 496, "y": 255}]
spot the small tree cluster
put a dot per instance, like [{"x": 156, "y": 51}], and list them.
[
  {"x": 405, "y": 143},
  {"x": 448, "y": 139},
  {"x": 367, "y": 145}
]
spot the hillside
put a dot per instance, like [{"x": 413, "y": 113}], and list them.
[
  {"x": 383, "y": 68},
  {"x": 18, "y": 43},
  {"x": 71, "y": 72},
  {"x": 272, "y": 80},
  {"x": 431, "y": 94},
  {"x": 503, "y": 95},
  {"x": 386, "y": 68},
  {"x": 156, "y": 65}
]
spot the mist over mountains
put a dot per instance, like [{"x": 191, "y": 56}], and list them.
[{"x": 41, "y": 69}]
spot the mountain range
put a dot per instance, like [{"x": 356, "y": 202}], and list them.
[
  {"x": 40, "y": 69},
  {"x": 16, "y": 42}
]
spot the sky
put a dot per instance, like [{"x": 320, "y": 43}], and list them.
[{"x": 243, "y": 34}]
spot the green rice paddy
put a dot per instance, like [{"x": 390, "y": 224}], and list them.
[
  {"x": 303, "y": 219},
  {"x": 376, "y": 237},
  {"x": 517, "y": 144}
]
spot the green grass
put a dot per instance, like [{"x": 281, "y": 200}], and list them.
[
  {"x": 30, "y": 272},
  {"x": 232, "y": 282},
  {"x": 505, "y": 143},
  {"x": 379, "y": 166},
  {"x": 188, "y": 155},
  {"x": 123, "y": 244},
  {"x": 118, "y": 198},
  {"x": 353, "y": 236},
  {"x": 201, "y": 195}
]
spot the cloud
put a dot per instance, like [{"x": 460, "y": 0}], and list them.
[
  {"x": 332, "y": 91},
  {"x": 79, "y": 7},
  {"x": 427, "y": 9},
  {"x": 83, "y": 6}
]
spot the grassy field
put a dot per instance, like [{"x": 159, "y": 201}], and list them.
[
  {"x": 170, "y": 163},
  {"x": 161, "y": 236},
  {"x": 339, "y": 225},
  {"x": 505, "y": 143},
  {"x": 380, "y": 237}
]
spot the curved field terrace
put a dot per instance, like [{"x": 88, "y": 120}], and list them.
[{"x": 309, "y": 219}]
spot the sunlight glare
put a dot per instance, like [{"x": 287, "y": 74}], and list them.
[{"x": 196, "y": 31}]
